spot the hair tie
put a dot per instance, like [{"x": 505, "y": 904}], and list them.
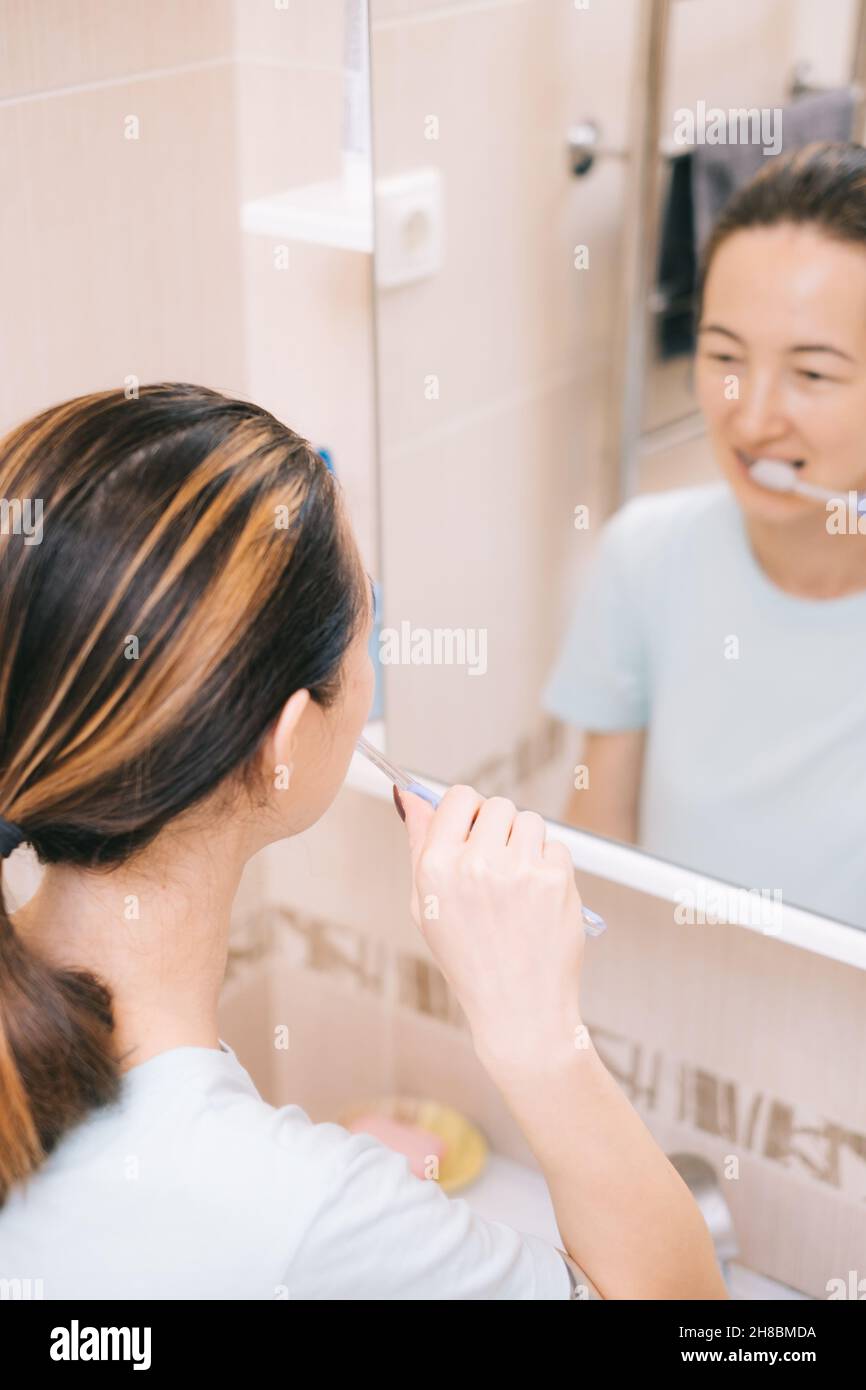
[{"x": 11, "y": 836}]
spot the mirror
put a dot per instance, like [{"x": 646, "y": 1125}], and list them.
[{"x": 591, "y": 601}]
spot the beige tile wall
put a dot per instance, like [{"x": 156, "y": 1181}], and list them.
[
  {"x": 68, "y": 43},
  {"x": 309, "y": 359},
  {"x": 302, "y": 34},
  {"x": 474, "y": 531},
  {"x": 120, "y": 256}
]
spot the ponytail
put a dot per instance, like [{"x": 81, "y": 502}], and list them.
[{"x": 56, "y": 1058}]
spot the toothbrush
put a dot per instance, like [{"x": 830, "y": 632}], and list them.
[
  {"x": 395, "y": 774},
  {"x": 779, "y": 476},
  {"x": 593, "y": 924}
]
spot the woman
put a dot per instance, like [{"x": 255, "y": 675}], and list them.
[
  {"x": 183, "y": 677},
  {"x": 716, "y": 658}
]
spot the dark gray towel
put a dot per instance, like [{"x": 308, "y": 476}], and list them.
[
  {"x": 677, "y": 271},
  {"x": 718, "y": 170}
]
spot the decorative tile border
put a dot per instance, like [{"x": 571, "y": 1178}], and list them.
[
  {"x": 529, "y": 756},
  {"x": 814, "y": 1147}
]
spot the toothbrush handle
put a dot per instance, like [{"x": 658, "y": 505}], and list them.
[
  {"x": 593, "y": 924},
  {"x": 418, "y": 789}
]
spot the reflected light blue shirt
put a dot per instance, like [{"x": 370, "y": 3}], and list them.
[{"x": 754, "y": 701}]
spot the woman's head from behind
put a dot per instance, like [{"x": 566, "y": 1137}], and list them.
[
  {"x": 188, "y": 640},
  {"x": 781, "y": 369}
]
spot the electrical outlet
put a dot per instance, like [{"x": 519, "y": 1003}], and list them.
[{"x": 408, "y": 227}]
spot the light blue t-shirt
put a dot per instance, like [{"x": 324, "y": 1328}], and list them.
[
  {"x": 191, "y": 1186},
  {"x": 754, "y": 701}
]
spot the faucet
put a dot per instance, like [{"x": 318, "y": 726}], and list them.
[{"x": 700, "y": 1177}]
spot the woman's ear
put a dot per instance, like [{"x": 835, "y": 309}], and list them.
[{"x": 281, "y": 745}]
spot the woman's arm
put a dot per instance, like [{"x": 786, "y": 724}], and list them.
[
  {"x": 608, "y": 804},
  {"x": 498, "y": 905},
  {"x": 624, "y": 1213}
]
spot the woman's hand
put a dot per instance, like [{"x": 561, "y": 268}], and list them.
[{"x": 498, "y": 906}]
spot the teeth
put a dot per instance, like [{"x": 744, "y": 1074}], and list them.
[{"x": 750, "y": 459}]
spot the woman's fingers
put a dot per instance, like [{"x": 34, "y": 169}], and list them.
[
  {"x": 493, "y": 824},
  {"x": 454, "y": 817},
  {"x": 527, "y": 834},
  {"x": 442, "y": 831},
  {"x": 555, "y": 852},
  {"x": 418, "y": 816}
]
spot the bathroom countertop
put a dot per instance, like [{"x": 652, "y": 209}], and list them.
[{"x": 508, "y": 1191}]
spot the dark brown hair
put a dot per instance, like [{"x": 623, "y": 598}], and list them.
[
  {"x": 208, "y": 532},
  {"x": 822, "y": 185}
]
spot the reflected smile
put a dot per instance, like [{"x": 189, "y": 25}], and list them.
[{"x": 747, "y": 459}]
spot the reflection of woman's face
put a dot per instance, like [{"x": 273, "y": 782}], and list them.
[{"x": 781, "y": 366}]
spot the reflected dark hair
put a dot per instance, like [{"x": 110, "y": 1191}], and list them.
[
  {"x": 194, "y": 570},
  {"x": 821, "y": 185}
]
